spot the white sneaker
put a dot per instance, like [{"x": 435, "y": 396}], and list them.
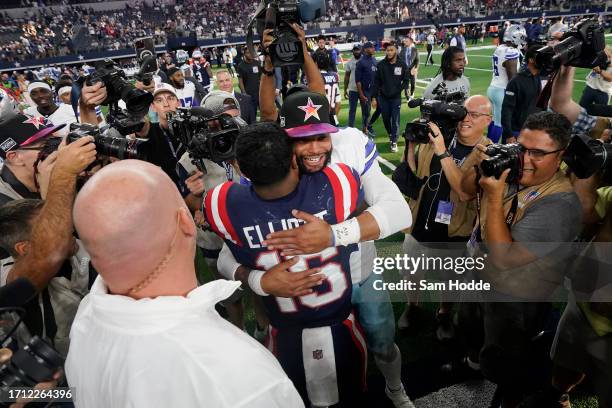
[
  {"x": 399, "y": 398},
  {"x": 394, "y": 147}
]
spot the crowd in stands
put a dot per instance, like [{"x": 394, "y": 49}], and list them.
[{"x": 48, "y": 32}]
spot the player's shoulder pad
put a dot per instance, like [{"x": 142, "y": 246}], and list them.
[
  {"x": 355, "y": 148},
  {"x": 345, "y": 183},
  {"x": 217, "y": 213}
]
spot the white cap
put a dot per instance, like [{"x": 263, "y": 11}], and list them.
[
  {"x": 38, "y": 84},
  {"x": 164, "y": 87}
]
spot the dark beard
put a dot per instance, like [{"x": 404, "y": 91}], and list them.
[{"x": 304, "y": 170}]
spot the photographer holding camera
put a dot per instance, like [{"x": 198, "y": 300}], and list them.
[
  {"x": 38, "y": 236},
  {"x": 531, "y": 201},
  {"x": 443, "y": 212}
]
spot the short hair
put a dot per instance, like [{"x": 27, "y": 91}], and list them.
[
  {"x": 557, "y": 126},
  {"x": 222, "y": 71},
  {"x": 323, "y": 60},
  {"x": 320, "y": 37},
  {"x": 391, "y": 44},
  {"x": 16, "y": 222},
  {"x": 264, "y": 153},
  {"x": 531, "y": 52}
]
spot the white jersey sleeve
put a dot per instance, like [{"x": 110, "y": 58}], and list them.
[
  {"x": 186, "y": 95},
  {"x": 502, "y": 54}
]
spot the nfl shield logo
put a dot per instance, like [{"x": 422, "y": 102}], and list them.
[{"x": 317, "y": 354}]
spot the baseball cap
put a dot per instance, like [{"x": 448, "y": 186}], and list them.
[
  {"x": 22, "y": 130},
  {"x": 220, "y": 101},
  {"x": 356, "y": 47},
  {"x": 306, "y": 114},
  {"x": 368, "y": 44},
  {"x": 164, "y": 87}
]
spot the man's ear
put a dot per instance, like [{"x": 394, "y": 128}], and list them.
[
  {"x": 21, "y": 248},
  {"x": 294, "y": 164},
  {"x": 185, "y": 222},
  {"x": 12, "y": 157}
]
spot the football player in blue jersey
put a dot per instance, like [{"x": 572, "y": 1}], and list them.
[
  {"x": 315, "y": 335},
  {"x": 304, "y": 116}
]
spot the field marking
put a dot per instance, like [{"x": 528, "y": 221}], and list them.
[{"x": 386, "y": 163}]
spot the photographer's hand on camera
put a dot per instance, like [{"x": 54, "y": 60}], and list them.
[
  {"x": 74, "y": 158},
  {"x": 91, "y": 96},
  {"x": 195, "y": 184},
  {"x": 436, "y": 139}
]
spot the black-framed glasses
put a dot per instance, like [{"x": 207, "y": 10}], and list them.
[{"x": 537, "y": 154}]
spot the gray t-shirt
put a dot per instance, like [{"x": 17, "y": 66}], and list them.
[
  {"x": 460, "y": 84},
  {"x": 555, "y": 218},
  {"x": 350, "y": 67}
]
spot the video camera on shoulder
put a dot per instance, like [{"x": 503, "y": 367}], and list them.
[
  {"x": 445, "y": 115},
  {"x": 582, "y": 46},
  {"x": 279, "y": 15},
  {"x": 205, "y": 135}
]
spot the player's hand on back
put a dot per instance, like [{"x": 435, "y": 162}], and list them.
[{"x": 279, "y": 281}]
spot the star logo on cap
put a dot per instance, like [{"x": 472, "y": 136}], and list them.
[
  {"x": 311, "y": 110},
  {"x": 37, "y": 121}
]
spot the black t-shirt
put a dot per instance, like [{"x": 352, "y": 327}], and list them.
[
  {"x": 164, "y": 151},
  {"x": 437, "y": 189},
  {"x": 250, "y": 74}
]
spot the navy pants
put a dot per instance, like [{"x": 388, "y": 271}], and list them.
[
  {"x": 390, "y": 110},
  {"x": 366, "y": 107}
]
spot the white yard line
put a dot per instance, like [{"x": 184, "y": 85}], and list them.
[{"x": 387, "y": 163}]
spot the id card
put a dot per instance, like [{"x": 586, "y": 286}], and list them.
[
  {"x": 444, "y": 212},
  {"x": 397, "y": 70}
]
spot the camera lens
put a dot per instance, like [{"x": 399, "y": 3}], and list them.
[{"x": 35, "y": 363}]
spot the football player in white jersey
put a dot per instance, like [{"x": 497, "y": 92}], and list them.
[
  {"x": 185, "y": 89},
  {"x": 388, "y": 213},
  {"x": 505, "y": 65}
]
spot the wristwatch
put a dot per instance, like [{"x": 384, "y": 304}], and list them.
[{"x": 444, "y": 155}]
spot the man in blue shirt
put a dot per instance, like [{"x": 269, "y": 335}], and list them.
[{"x": 364, "y": 78}]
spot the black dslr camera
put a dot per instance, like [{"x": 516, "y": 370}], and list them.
[
  {"x": 108, "y": 144},
  {"x": 583, "y": 47},
  {"x": 206, "y": 136},
  {"x": 279, "y": 15},
  {"x": 586, "y": 156},
  {"x": 117, "y": 87},
  {"x": 502, "y": 157},
  {"x": 444, "y": 115}
]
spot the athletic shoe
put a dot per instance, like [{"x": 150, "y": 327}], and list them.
[
  {"x": 399, "y": 397},
  {"x": 394, "y": 147},
  {"x": 371, "y": 133}
]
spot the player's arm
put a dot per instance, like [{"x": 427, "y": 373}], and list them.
[
  {"x": 511, "y": 67},
  {"x": 209, "y": 71},
  {"x": 388, "y": 213},
  {"x": 276, "y": 281},
  {"x": 561, "y": 95}
]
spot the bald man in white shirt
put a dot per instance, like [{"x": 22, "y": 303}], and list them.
[{"x": 146, "y": 335}]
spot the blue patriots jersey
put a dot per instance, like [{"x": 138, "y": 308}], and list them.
[
  {"x": 243, "y": 220},
  {"x": 200, "y": 74}
]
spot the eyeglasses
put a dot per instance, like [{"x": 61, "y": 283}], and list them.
[
  {"x": 477, "y": 115},
  {"x": 537, "y": 154}
]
